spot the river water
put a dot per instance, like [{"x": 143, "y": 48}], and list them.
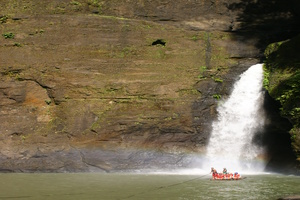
[{"x": 89, "y": 186}]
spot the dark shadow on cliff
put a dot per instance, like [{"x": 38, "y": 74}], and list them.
[
  {"x": 276, "y": 140},
  {"x": 266, "y": 21}
]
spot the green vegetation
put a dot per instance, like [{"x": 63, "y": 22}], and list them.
[
  {"x": 8, "y": 35},
  {"x": 75, "y": 3},
  {"x": 282, "y": 80},
  {"x": 218, "y": 80},
  {"x": 17, "y": 44},
  {"x": 3, "y": 19},
  {"x": 266, "y": 78},
  {"x": 195, "y": 38},
  {"x": 202, "y": 70},
  {"x": 76, "y": 6},
  {"x": 41, "y": 31},
  {"x": 282, "y": 76},
  {"x": 96, "y": 4},
  {"x": 217, "y": 96},
  {"x": 16, "y": 74}
]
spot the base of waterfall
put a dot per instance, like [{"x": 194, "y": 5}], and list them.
[
  {"x": 240, "y": 120},
  {"x": 227, "y": 177}
]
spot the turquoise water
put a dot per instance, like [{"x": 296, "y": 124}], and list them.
[{"x": 91, "y": 186}]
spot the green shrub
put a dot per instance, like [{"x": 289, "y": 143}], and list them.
[
  {"x": 75, "y": 3},
  {"x": 217, "y": 96},
  {"x": 218, "y": 80},
  {"x": 8, "y": 35},
  {"x": 17, "y": 44},
  {"x": 3, "y": 19}
]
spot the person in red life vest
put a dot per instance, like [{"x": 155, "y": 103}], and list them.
[
  {"x": 230, "y": 176},
  {"x": 236, "y": 176},
  {"x": 214, "y": 173}
]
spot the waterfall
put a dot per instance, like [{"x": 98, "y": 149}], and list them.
[{"x": 240, "y": 117}]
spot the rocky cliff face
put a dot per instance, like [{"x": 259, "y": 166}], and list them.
[{"x": 117, "y": 85}]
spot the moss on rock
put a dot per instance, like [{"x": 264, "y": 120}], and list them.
[{"x": 282, "y": 80}]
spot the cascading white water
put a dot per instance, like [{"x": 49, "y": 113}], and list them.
[{"x": 239, "y": 118}]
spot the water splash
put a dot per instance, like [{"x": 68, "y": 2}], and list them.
[{"x": 239, "y": 119}]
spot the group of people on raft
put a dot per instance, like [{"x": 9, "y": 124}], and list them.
[{"x": 225, "y": 175}]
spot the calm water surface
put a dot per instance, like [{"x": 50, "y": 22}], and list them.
[{"x": 91, "y": 186}]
